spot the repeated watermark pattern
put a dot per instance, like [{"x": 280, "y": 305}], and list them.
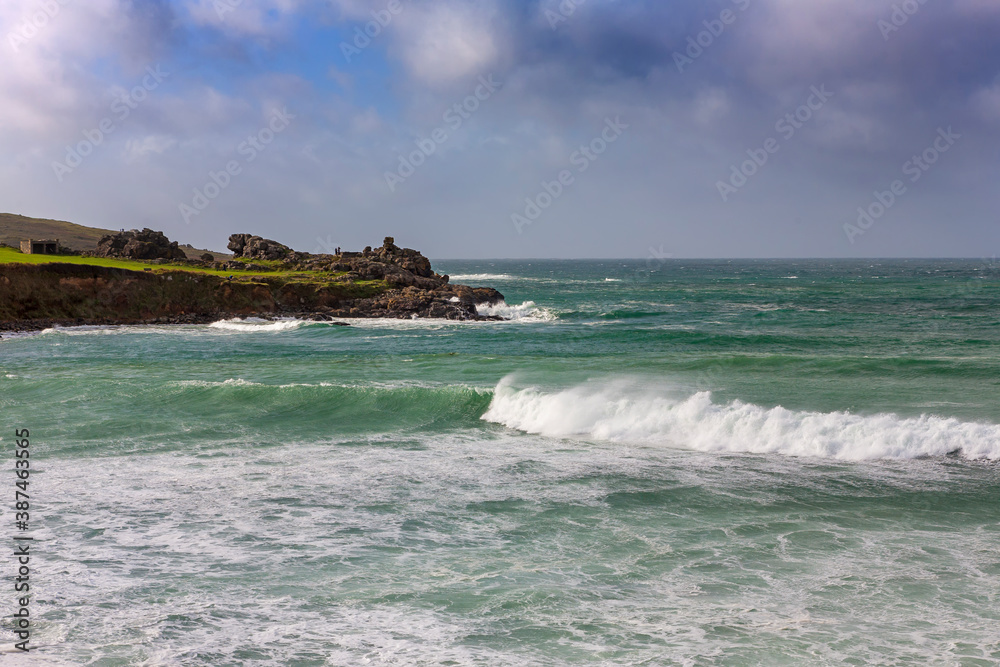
[
  {"x": 562, "y": 12},
  {"x": 454, "y": 117},
  {"x": 363, "y": 35},
  {"x": 698, "y": 43},
  {"x": 655, "y": 260},
  {"x": 786, "y": 126},
  {"x": 223, "y": 7},
  {"x": 37, "y": 21},
  {"x": 249, "y": 149},
  {"x": 899, "y": 17},
  {"x": 325, "y": 246},
  {"x": 914, "y": 168},
  {"x": 969, "y": 293},
  {"x": 120, "y": 109},
  {"x": 582, "y": 158}
]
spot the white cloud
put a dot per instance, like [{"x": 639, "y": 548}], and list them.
[
  {"x": 139, "y": 148},
  {"x": 46, "y": 86},
  {"x": 343, "y": 79},
  {"x": 243, "y": 17},
  {"x": 442, "y": 43},
  {"x": 711, "y": 105},
  {"x": 838, "y": 129},
  {"x": 786, "y": 40},
  {"x": 986, "y": 102},
  {"x": 366, "y": 122}
]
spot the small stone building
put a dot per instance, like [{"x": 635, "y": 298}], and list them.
[{"x": 43, "y": 247}]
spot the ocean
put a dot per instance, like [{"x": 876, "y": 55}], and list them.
[{"x": 662, "y": 462}]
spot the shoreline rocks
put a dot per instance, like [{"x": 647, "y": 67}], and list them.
[
  {"x": 39, "y": 296},
  {"x": 387, "y": 282}
]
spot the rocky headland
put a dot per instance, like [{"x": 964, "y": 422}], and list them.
[{"x": 264, "y": 279}]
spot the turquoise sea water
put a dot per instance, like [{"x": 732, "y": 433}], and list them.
[{"x": 664, "y": 462}]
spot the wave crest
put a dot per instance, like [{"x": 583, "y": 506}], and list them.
[
  {"x": 254, "y": 324},
  {"x": 528, "y": 310},
  {"x": 482, "y": 276},
  {"x": 623, "y": 412}
]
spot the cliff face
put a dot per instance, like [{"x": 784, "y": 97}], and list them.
[
  {"x": 39, "y": 296},
  {"x": 34, "y": 296}
]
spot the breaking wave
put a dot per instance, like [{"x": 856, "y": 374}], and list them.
[
  {"x": 256, "y": 325},
  {"x": 482, "y": 276},
  {"x": 625, "y": 412},
  {"x": 528, "y": 311}
]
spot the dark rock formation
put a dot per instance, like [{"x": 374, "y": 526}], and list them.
[
  {"x": 147, "y": 244},
  {"x": 43, "y": 295},
  {"x": 400, "y": 267},
  {"x": 385, "y": 282},
  {"x": 255, "y": 247},
  {"x": 40, "y": 295},
  {"x": 456, "y": 302},
  {"x": 406, "y": 258},
  {"x": 410, "y": 289}
]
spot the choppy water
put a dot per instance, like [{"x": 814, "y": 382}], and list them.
[{"x": 691, "y": 463}]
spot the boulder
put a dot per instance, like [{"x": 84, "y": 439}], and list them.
[
  {"x": 147, "y": 245},
  {"x": 407, "y": 258},
  {"x": 255, "y": 247}
]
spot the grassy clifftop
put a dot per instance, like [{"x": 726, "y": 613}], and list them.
[
  {"x": 16, "y": 228},
  {"x": 12, "y": 256},
  {"x": 40, "y": 291}
]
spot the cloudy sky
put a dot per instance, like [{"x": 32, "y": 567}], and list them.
[{"x": 516, "y": 128}]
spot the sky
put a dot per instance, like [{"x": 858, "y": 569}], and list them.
[{"x": 512, "y": 129}]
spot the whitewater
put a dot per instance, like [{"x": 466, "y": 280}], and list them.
[
  {"x": 620, "y": 411},
  {"x": 678, "y": 463}
]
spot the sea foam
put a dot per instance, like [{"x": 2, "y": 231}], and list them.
[
  {"x": 628, "y": 413},
  {"x": 255, "y": 325},
  {"x": 482, "y": 276},
  {"x": 528, "y": 310}
]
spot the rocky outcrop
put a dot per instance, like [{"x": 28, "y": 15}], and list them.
[
  {"x": 254, "y": 247},
  {"x": 402, "y": 267},
  {"x": 406, "y": 258},
  {"x": 360, "y": 268},
  {"x": 386, "y": 282},
  {"x": 145, "y": 245},
  {"x": 399, "y": 267},
  {"x": 44, "y": 295},
  {"x": 456, "y": 303}
]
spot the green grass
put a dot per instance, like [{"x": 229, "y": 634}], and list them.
[
  {"x": 270, "y": 263},
  {"x": 367, "y": 287},
  {"x": 12, "y": 256}
]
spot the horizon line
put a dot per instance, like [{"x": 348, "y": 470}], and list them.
[{"x": 715, "y": 259}]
